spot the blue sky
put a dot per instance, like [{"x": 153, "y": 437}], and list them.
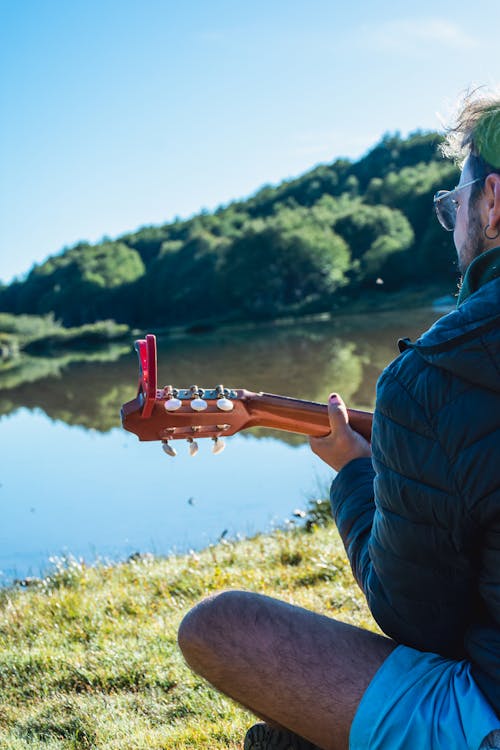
[{"x": 121, "y": 113}]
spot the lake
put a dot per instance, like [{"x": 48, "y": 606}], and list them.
[{"x": 74, "y": 483}]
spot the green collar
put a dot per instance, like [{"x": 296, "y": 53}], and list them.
[{"x": 484, "y": 268}]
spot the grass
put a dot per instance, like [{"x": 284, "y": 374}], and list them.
[
  {"x": 88, "y": 655},
  {"x": 41, "y": 333}
]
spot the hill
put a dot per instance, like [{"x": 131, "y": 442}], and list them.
[{"x": 307, "y": 245}]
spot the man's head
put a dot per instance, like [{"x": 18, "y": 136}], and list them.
[{"x": 474, "y": 141}]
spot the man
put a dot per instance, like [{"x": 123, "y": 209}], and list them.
[{"x": 420, "y": 520}]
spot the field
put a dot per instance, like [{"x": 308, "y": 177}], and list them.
[{"x": 89, "y": 656}]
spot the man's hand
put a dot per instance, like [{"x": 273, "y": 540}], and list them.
[{"x": 343, "y": 444}]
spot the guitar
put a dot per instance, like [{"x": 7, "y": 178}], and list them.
[{"x": 170, "y": 413}]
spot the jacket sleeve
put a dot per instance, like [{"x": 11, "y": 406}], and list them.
[
  {"x": 483, "y": 640},
  {"x": 353, "y": 507}
]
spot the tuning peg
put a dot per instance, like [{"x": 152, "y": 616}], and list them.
[
  {"x": 173, "y": 403},
  {"x": 224, "y": 404},
  {"x": 168, "y": 448},
  {"x": 199, "y": 404},
  {"x": 218, "y": 445},
  {"x": 193, "y": 447}
]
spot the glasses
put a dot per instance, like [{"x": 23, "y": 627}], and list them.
[{"x": 446, "y": 205}]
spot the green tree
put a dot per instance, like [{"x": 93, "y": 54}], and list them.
[
  {"x": 181, "y": 284},
  {"x": 412, "y": 188},
  {"x": 374, "y": 235},
  {"x": 290, "y": 262},
  {"x": 77, "y": 286},
  {"x": 287, "y": 249}
]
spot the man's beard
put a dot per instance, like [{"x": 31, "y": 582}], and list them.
[{"x": 474, "y": 245}]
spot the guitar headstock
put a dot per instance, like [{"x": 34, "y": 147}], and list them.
[{"x": 169, "y": 413}]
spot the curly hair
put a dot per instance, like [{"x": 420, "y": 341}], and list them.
[{"x": 476, "y": 134}]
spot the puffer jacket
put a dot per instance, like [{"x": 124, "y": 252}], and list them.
[{"x": 421, "y": 520}]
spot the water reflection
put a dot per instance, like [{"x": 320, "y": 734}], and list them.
[
  {"x": 69, "y": 490},
  {"x": 84, "y": 389},
  {"x": 304, "y": 361}
]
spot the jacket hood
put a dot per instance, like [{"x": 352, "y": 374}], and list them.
[{"x": 466, "y": 342}]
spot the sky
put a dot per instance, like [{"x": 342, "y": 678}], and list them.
[{"x": 117, "y": 114}]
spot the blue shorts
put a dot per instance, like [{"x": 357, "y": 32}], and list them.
[{"x": 420, "y": 701}]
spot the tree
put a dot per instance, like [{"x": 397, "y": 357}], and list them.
[
  {"x": 76, "y": 285},
  {"x": 181, "y": 284},
  {"x": 287, "y": 249},
  {"x": 374, "y": 234},
  {"x": 291, "y": 262}
]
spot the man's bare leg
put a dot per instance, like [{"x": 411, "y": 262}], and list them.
[{"x": 296, "y": 668}]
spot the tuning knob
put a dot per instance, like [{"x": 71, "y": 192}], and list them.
[
  {"x": 173, "y": 403},
  {"x": 168, "y": 448},
  {"x": 224, "y": 404},
  {"x": 198, "y": 403},
  {"x": 193, "y": 447},
  {"x": 219, "y": 445}
]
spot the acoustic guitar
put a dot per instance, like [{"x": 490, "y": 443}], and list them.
[{"x": 169, "y": 413}]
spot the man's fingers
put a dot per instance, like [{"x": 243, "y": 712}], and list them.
[
  {"x": 342, "y": 444},
  {"x": 337, "y": 413}
]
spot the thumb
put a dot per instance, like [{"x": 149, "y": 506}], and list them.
[{"x": 337, "y": 413}]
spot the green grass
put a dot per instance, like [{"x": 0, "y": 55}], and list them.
[
  {"x": 41, "y": 333},
  {"x": 88, "y": 655}
]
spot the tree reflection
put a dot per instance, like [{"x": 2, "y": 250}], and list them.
[{"x": 303, "y": 361}]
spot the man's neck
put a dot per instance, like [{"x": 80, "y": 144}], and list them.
[{"x": 484, "y": 268}]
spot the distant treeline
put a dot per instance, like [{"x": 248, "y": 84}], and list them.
[{"x": 308, "y": 245}]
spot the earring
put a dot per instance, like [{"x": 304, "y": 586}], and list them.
[{"x": 488, "y": 236}]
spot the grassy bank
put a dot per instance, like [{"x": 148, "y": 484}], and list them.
[
  {"x": 89, "y": 657},
  {"x": 39, "y": 334}
]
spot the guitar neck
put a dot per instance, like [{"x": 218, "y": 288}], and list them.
[
  {"x": 298, "y": 416},
  {"x": 194, "y": 412},
  {"x": 149, "y": 420}
]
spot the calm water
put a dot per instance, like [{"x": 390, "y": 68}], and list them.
[{"x": 72, "y": 482}]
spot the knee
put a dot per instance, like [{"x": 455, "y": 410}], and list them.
[
  {"x": 194, "y": 625},
  {"x": 206, "y": 627}
]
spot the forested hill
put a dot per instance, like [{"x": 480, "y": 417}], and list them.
[{"x": 304, "y": 246}]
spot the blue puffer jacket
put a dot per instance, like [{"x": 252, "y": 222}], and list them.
[{"x": 421, "y": 526}]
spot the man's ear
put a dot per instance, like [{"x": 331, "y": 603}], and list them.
[{"x": 492, "y": 193}]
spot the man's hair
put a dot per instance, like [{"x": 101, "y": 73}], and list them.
[{"x": 476, "y": 134}]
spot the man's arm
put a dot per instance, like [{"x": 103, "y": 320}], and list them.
[
  {"x": 352, "y": 490},
  {"x": 353, "y": 508}
]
